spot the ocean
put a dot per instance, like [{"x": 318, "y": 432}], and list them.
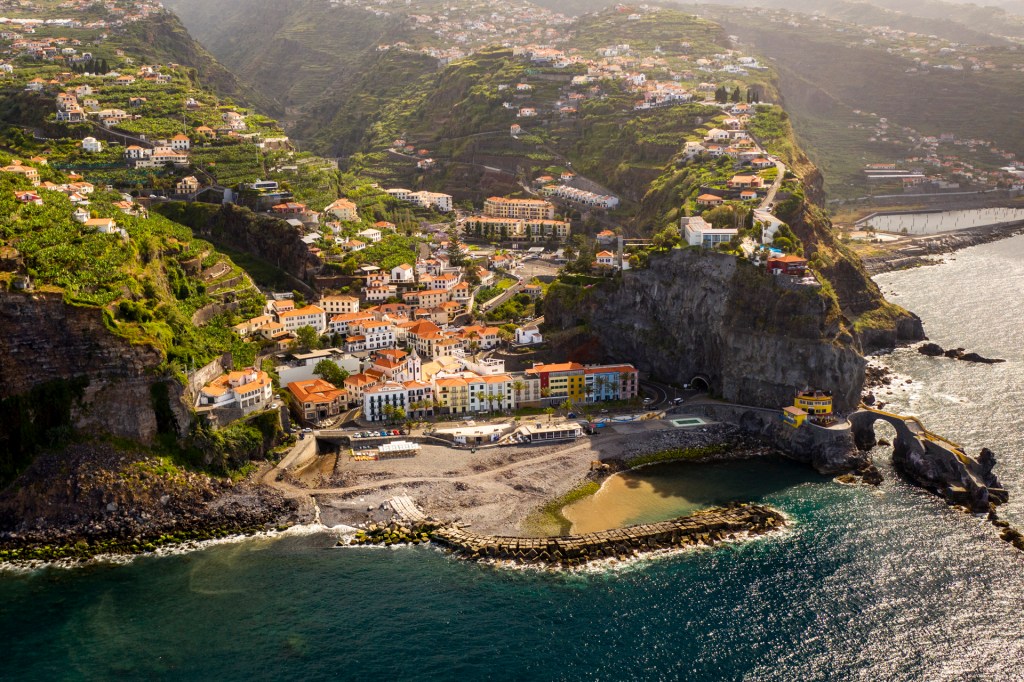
[{"x": 866, "y": 584}]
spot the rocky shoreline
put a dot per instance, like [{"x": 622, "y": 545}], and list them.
[
  {"x": 924, "y": 251},
  {"x": 95, "y": 499}
]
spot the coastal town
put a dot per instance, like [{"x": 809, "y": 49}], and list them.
[
  {"x": 424, "y": 320},
  {"x": 390, "y": 319}
]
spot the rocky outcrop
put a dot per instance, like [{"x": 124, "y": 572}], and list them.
[
  {"x": 935, "y": 350},
  {"x": 45, "y": 340},
  {"x": 829, "y": 451},
  {"x": 933, "y": 463},
  {"x": 700, "y": 313},
  {"x": 95, "y": 498}
]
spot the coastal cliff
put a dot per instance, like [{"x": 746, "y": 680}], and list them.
[
  {"x": 693, "y": 313},
  {"x": 46, "y": 340}
]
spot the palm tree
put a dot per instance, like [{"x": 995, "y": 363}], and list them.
[
  {"x": 519, "y": 386},
  {"x": 550, "y": 412},
  {"x": 600, "y": 384}
]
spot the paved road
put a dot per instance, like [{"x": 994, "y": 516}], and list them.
[{"x": 774, "y": 189}]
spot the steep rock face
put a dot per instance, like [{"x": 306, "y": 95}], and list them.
[
  {"x": 43, "y": 339},
  {"x": 237, "y": 228},
  {"x": 878, "y": 324},
  {"x": 692, "y": 313}
]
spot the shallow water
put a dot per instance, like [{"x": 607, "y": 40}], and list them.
[
  {"x": 866, "y": 584},
  {"x": 664, "y": 491}
]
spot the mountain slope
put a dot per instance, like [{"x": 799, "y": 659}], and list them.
[{"x": 310, "y": 48}]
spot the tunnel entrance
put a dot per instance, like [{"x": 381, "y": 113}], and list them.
[{"x": 701, "y": 383}]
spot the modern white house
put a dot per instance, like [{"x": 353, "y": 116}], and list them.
[
  {"x": 91, "y": 145},
  {"x": 698, "y": 232},
  {"x": 370, "y": 234}
]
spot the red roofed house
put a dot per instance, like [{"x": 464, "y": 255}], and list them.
[
  {"x": 787, "y": 265},
  {"x": 318, "y": 399}
]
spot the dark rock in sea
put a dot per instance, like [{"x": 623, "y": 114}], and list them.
[
  {"x": 930, "y": 349},
  {"x": 868, "y": 399},
  {"x": 884, "y": 441},
  {"x": 954, "y": 353},
  {"x": 974, "y": 357},
  {"x": 871, "y": 475}
]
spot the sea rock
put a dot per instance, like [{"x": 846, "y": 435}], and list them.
[
  {"x": 930, "y": 349},
  {"x": 974, "y": 357}
]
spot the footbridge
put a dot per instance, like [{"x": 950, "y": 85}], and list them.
[{"x": 931, "y": 460}]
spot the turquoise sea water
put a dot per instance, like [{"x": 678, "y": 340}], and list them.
[{"x": 866, "y": 585}]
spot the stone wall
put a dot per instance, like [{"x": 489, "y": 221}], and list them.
[{"x": 43, "y": 339}]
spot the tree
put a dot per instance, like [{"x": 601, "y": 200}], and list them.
[
  {"x": 471, "y": 274},
  {"x": 667, "y": 238},
  {"x": 721, "y": 95},
  {"x": 330, "y": 372},
  {"x": 736, "y": 94},
  {"x": 518, "y": 386},
  {"x": 455, "y": 255},
  {"x": 550, "y": 412},
  {"x": 307, "y": 337}
]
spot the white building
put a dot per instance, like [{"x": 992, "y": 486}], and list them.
[
  {"x": 414, "y": 398},
  {"x": 310, "y": 316},
  {"x": 698, "y": 232},
  {"x": 403, "y": 274},
  {"x": 370, "y": 234},
  {"x": 304, "y": 364},
  {"x": 529, "y": 335},
  {"x": 91, "y": 145},
  {"x": 339, "y": 305}
]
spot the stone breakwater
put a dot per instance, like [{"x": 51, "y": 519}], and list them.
[{"x": 705, "y": 528}]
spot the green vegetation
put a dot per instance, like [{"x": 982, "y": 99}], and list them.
[
  {"x": 674, "y": 454},
  {"x": 148, "y": 283},
  {"x": 549, "y": 520}
]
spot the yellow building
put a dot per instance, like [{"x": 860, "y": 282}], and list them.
[
  {"x": 562, "y": 380},
  {"x": 814, "y": 403},
  {"x": 794, "y": 416}
]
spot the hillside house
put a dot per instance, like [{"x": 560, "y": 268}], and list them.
[
  {"x": 710, "y": 200},
  {"x": 344, "y": 210}
]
